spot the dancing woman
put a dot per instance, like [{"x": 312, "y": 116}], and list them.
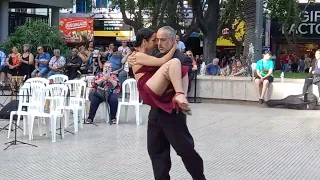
[{"x": 158, "y": 77}]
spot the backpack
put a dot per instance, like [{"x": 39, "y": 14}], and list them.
[{"x": 295, "y": 102}]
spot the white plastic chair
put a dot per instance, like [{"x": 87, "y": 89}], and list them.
[
  {"x": 76, "y": 102},
  {"x": 29, "y": 82},
  {"x": 105, "y": 107},
  {"x": 58, "y": 93},
  {"x": 58, "y": 78},
  {"x": 37, "y": 80},
  {"x": 36, "y": 105},
  {"x": 23, "y": 101},
  {"x": 133, "y": 100}
]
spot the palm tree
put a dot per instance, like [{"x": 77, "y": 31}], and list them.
[{"x": 249, "y": 17}]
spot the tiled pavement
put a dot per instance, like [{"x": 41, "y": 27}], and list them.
[{"x": 236, "y": 142}]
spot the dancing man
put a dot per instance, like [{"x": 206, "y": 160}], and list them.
[{"x": 161, "y": 80}]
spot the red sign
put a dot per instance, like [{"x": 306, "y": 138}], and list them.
[{"x": 76, "y": 30}]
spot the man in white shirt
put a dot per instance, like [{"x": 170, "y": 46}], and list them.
[{"x": 180, "y": 44}]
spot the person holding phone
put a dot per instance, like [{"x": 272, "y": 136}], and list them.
[
  {"x": 105, "y": 88},
  {"x": 42, "y": 63}
]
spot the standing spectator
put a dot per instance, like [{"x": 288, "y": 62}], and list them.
[
  {"x": 57, "y": 63},
  {"x": 294, "y": 63},
  {"x": 302, "y": 64},
  {"x": 194, "y": 62},
  {"x": 124, "y": 49},
  {"x": 264, "y": 70},
  {"x": 2, "y": 67},
  {"x": 180, "y": 44},
  {"x": 42, "y": 61},
  {"x": 213, "y": 68},
  {"x": 313, "y": 77},
  {"x": 284, "y": 61},
  {"x": 27, "y": 61},
  {"x": 194, "y": 68},
  {"x": 307, "y": 61},
  {"x": 73, "y": 65}
]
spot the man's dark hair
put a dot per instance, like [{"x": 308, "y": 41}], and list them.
[{"x": 268, "y": 52}]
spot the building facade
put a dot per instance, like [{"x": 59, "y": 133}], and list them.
[{"x": 27, "y": 9}]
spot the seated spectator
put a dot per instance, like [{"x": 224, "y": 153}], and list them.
[
  {"x": 264, "y": 70},
  {"x": 238, "y": 69},
  {"x": 27, "y": 59},
  {"x": 108, "y": 51},
  {"x": 115, "y": 60},
  {"x": 314, "y": 75},
  {"x": 3, "y": 75},
  {"x": 73, "y": 65},
  {"x": 86, "y": 59},
  {"x": 57, "y": 63},
  {"x": 213, "y": 68},
  {"x": 41, "y": 66},
  {"x": 97, "y": 62},
  {"x": 124, "y": 70},
  {"x": 13, "y": 63},
  {"x": 103, "y": 84}
]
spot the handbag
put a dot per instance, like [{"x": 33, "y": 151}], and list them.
[{"x": 100, "y": 92}]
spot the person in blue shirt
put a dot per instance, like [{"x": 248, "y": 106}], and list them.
[
  {"x": 115, "y": 59},
  {"x": 42, "y": 63},
  {"x": 213, "y": 68},
  {"x": 264, "y": 70}
]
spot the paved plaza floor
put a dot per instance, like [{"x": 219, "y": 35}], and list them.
[{"x": 235, "y": 141}]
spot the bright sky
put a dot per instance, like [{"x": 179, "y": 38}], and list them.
[{"x": 305, "y": 1}]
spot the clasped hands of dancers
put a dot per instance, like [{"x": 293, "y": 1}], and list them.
[{"x": 162, "y": 82}]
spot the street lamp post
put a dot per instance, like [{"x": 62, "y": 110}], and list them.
[{"x": 258, "y": 31}]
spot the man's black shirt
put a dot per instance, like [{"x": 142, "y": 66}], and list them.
[
  {"x": 72, "y": 70},
  {"x": 185, "y": 60}
]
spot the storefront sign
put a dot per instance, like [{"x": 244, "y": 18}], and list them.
[
  {"x": 76, "y": 30},
  {"x": 110, "y": 25},
  {"x": 309, "y": 24}
]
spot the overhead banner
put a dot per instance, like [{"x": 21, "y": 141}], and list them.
[
  {"x": 110, "y": 25},
  {"x": 76, "y": 30}
]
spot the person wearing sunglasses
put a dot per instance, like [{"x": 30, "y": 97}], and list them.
[{"x": 42, "y": 63}]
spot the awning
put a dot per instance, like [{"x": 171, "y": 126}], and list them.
[{"x": 113, "y": 33}]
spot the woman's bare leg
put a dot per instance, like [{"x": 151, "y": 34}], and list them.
[
  {"x": 185, "y": 84},
  {"x": 170, "y": 71}
]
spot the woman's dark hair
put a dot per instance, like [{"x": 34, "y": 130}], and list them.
[{"x": 144, "y": 33}]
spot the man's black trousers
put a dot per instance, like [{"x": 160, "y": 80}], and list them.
[{"x": 171, "y": 129}]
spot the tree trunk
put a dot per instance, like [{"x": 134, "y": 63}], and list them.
[
  {"x": 250, "y": 19},
  {"x": 209, "y": 47},
  {"x": 238, "y": 49}
]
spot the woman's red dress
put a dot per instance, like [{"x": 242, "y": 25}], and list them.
[{"x": 149, "y": 97}]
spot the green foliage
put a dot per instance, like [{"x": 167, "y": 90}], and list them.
[
  {"x": 160, "y": 12},
  {"x": 288, "y": 13},
  {"x": 37, "y": 33},
  {"x": 231, "y": 16}
]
